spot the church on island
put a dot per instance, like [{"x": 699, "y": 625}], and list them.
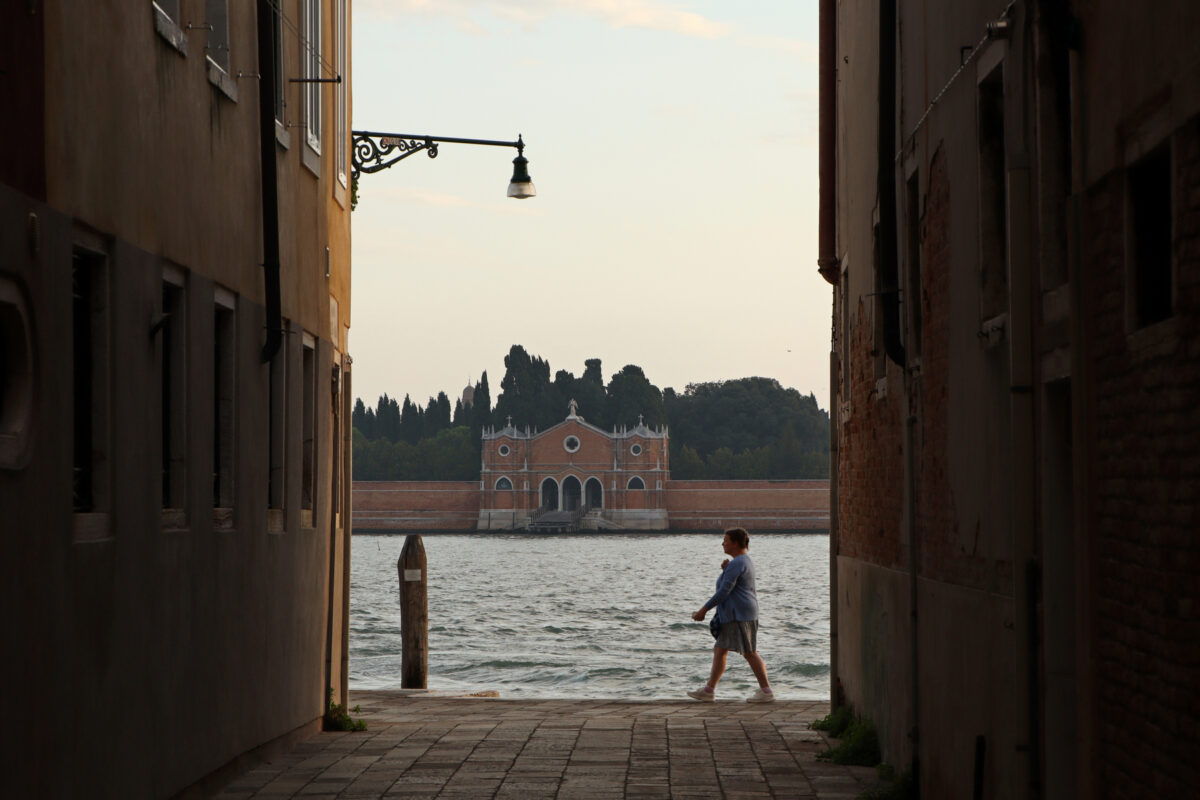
[{"x": 575, "y": 476}]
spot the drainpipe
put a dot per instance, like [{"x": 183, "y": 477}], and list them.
[
  {"x": 270, "y": 183},
  {"x": 1022, "y": 378},
  {"x": 887, "y": 299},
  {"x": 828, "y": 266},
  {"x": 827, "y": 260},
  {"x": 1080, "y": 423}
]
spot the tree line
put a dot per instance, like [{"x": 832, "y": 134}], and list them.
[{"x": 740, "y": 429}]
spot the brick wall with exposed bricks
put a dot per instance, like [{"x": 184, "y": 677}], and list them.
[{"x": 1144, "y": 491}]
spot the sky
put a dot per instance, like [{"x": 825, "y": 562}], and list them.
[{"x": 674, "y": 150}]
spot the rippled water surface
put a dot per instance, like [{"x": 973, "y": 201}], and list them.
[{"x": 596, "y": 616}]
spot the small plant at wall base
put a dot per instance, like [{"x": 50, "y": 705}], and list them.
[
  {"x": 337, "y": 719},
  {"x": 858, "y": 743},
  {"x": 835, "y": 722}
]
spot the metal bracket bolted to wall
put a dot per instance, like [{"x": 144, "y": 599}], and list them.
[{"x": 372, "y": 151}]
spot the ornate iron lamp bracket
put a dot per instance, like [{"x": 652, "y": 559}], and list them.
[{"x": 372, "y": 151}]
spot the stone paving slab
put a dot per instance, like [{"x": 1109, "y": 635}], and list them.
[{"x": 420, "y": 746}]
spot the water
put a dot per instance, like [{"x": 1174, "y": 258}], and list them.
[{"x": 589, "y": 616}]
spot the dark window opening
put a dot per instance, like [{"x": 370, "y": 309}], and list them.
[
  {"x": 224, "y": 372},
  {"x": 504, "y": 484},
  {"x": 85, "y": 286},
  {"x": 636, "y": 483},
  {"x": 173, "y": 394},
  {"x": 277, "y": 41},
  {"x": 1150, "y": 236},
  {"x": 993, "y": 197},
  {"x": 912, "y": 288},
  {"x": 217, "y": 17},
  {"x": 277, "y": 437},
  {"x": 308, "y": 421},
  {"x": 169, "y": 7}
]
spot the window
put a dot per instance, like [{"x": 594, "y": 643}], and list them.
[
  {"x": 217, "y": 20},
  {"x": 166, "y": 24},
  {"x": 636, "y": 483},
  {"x": 504, "y": 484},
  {"x": 843, "y": 331},
  {"x": 224, "y": 377},
  {"x": 173, "y": 395},
  {"x": 503, "y": 450},
  {"x": 993, "y": 197},
  {"x": 1149, "y": 248},
  {"x": 308, "y": 422},
  {"x": 311, "y": 69},
  {"x": 912, "y": 282},
  {"x": 89, "y": 372},
  {"x": 636, "y": 449},
  {"x": 341, "y": 123},
  {"x": 571, "y": 444},
  {"x": 280, "y": 84},
  {"x": 277, "y": 435},
  {"x": 16, "y": 376}
]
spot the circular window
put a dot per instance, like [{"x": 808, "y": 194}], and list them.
[
  {"x": 504, "y": 450},
  {"x": 571, "y": 444},
  {"x": 636, "y": 449}
]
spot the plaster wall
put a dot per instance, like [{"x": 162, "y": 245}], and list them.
[{"x": 168, "y": 643}]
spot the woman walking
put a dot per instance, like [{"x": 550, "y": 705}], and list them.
[{"x": 736, "y": 622}]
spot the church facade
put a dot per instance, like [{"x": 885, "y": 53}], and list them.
[{"x": 576, "y": 475}]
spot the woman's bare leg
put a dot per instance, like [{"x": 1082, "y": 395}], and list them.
[
  {"x": 718, "y": 666},
  {"x": 758, "y": 666}
]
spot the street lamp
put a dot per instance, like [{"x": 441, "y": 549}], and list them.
[{"x": 373, "y": 151}]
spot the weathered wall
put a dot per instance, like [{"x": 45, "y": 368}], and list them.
[
  {"x": 166, "y": 643},
  {"x": 1144, "y": 476},
  {"x": 389, "y": 506},
  {"x": 791, "y": 505},
  {"x": 691, "y": 506},
  {"x": 1035, "y": 450}
]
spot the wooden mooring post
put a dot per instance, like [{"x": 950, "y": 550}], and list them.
[{"x": 414, "y": 615}]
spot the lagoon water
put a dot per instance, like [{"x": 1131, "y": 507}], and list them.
[{"x": 589, "y": 616}]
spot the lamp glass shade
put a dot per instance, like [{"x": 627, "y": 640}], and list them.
[{"x": 522, "y": 191}]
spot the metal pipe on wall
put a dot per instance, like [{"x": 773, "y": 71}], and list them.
[
  {"x": 270, "y": 183},
  {"x": 827, "y": 260},
  {"x": 828, "y": 266}
]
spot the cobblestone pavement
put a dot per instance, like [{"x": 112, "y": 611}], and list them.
[{"x": 425, "y": 746}]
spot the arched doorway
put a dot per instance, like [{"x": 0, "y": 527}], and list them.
[
  {"x": 572, "y": 491},
  {"x": 593, "y": 493},
  {"x": 550, "y": 494}
]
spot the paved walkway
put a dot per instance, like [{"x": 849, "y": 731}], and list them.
[{"x": 425, "y": 746}]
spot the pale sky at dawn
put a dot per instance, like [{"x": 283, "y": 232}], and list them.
[{"x": 674, "y": 150}]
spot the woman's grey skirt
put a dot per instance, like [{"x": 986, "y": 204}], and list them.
[{"x": 740, "y": 637}]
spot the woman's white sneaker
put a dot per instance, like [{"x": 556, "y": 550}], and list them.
[
  {"x": 760, "y": 696},
  {"x": 703, "y": 694}
]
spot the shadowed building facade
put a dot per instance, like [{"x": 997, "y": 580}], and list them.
[
  {"x": 174, "y": 385},
  {"x": 1010, "y": 220}
]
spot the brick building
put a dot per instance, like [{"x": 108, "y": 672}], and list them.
[
  {"x": 1010, "y": 201},
  {"x": 174, "y": 386},
  {"x": 575, "y": 469}
]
